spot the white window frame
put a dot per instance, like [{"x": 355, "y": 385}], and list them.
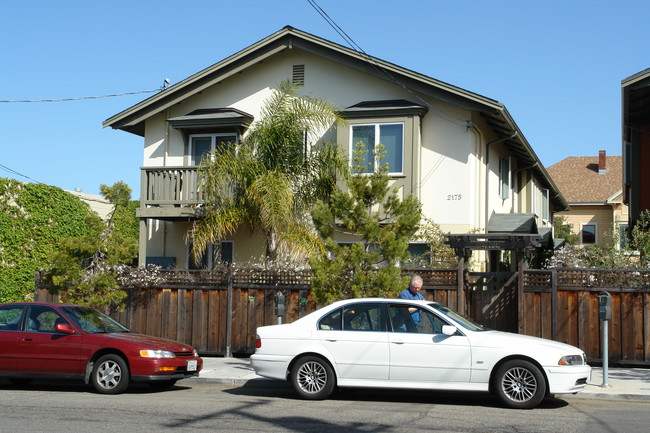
[
  {"x": 377, "y": 125},
  {"x": 213, "y": 143}
]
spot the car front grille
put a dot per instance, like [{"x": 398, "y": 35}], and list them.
[{"x": 184, "y": 354}]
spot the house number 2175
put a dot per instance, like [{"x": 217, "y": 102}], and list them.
[{"x": 454, "y": 196}]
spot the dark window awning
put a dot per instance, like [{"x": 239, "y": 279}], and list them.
[
  {"x": 393, "y": 107},
  {"x": 211, "y": 120}
]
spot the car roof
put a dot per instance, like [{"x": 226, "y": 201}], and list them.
[{"x": 50, "y": 304}]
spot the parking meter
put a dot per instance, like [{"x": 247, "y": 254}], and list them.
[
  {"x": 605, "y": 314},
  {"x": 604, "y": 306},
  {"x": 279, "y": 306}
]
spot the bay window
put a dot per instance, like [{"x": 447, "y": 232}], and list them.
[{"x": 390, "y": 135}]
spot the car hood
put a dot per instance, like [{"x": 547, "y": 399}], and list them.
[
  {"x": 149, "y": 341},
  {"x": 508, "y": 339}
]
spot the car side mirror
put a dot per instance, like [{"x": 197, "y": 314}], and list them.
[
  {"x": 64, "y": 328},
  {"x": 449, "y": 330}
]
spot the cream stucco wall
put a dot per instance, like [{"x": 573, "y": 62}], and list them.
[{"x": 446, "y": 169}]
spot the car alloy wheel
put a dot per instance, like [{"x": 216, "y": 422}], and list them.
[
  {"x": 312, "y": 378},
  {"x": 110, "y": 374},
  {"x": 520, "y": 384}
]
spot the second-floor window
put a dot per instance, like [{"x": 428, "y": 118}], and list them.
[
  {"x": 206, "y": 143},
  {"x": 504, "y": 177},
  {"x": 545, "y": 204},
  {"x": 390, "y": 135}
]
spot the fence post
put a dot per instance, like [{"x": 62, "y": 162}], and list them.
[
  {"x": 229, "y": 313},
  {"x": 554, "y": 304}
]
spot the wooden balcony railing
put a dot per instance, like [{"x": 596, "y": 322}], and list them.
[{"x": 169, "y": 186}]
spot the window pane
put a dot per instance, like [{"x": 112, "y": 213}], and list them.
[
  {"x": 363, "y": 317},
  {"x": 10, "y": 317},
  {"x": 332, "y": 321},
  {"x": 391, "y": 137},
  {"x": 200, "y": 146},
  {"x": 225, "y": 141},
  {"x": 623, "y": 236},
  {"x": 588, "y": 234},
  {"x": 366, "y": 135},
  {"x": 227, "y": 251}
]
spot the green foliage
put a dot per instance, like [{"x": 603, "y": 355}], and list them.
[
  {"x": 373, "y": 214},
  {"x": 272, "y": 177},
  {"x": 439, "y": 254},
  {"x": 33, "y": 217},
  {"x": 564, "y": 230},
  {"x": 605, "y": 255},
  {"x": 640, "y": 235},
  {"x": 85, "y": 268}
]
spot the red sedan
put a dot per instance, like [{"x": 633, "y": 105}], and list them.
[{"x": 39, "y": 340}]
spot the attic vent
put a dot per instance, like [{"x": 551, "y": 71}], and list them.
[{"x": 298, "y": 75}]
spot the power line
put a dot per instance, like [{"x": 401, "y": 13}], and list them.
[
  {"x": 12, "y": 171},
  {"x": 83, "y": 97}
]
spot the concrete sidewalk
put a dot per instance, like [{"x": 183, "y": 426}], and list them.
[{"x": 624, "y": 383}]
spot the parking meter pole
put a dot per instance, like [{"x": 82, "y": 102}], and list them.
[{"x": 605, "y": 383}]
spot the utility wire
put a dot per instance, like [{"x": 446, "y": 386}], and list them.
[
  {"x": 12, "y": 171},
  {"x": 84, "y": 97}
]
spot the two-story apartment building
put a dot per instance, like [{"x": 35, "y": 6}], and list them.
[{"x": 461, "y": 154}]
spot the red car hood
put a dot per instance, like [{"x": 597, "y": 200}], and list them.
[{"x": 149, "y": 341}]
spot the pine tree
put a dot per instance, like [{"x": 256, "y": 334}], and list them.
[{"x": 381, "y": 224}]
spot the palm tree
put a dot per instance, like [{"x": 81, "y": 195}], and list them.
[{"x": 272, "y": 177}]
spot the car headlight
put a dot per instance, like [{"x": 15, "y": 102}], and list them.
[
  {"x": 157, "y": 354},
  {"x": 570, "y": 360}
]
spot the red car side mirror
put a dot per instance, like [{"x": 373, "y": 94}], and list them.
[{"x": 64, "y": 328}]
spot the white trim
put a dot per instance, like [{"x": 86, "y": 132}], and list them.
[
  {"x": 213, "y": 143},
  {"x": 377, "y": 125}
]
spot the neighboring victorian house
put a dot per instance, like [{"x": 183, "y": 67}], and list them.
[
  {"x": 636, "y": 143},
  {"x": 592, "y": 186},
  {"x": 460, "y": 153}
]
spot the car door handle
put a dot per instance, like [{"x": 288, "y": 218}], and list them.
[
  {"x": 331, "y": 340},
  {"x": 397, "y": 342},
  {"x": 27, "y": 339}
]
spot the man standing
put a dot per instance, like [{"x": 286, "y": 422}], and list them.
[{"x": 413, "y": 292}]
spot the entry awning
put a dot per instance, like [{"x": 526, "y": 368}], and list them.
[{"x": 512, "y": 223}]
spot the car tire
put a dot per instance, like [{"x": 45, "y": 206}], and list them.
[
  {"x": 312, "y": 378},
  {"x": 520, "y": 384},
  {"x": 110, "y": 374}
]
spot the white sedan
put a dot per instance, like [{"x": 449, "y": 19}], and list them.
[{"x": 396, "y": 343}]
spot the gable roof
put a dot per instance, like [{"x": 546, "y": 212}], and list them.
[
  {"x": 497, "y": 116},
  {"x": 579, "y": 180}
]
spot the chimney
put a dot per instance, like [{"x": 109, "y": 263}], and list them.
[{"x": 602, "y": 162}]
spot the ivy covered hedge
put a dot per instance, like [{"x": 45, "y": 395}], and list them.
[{"x": 33, "y": 218}]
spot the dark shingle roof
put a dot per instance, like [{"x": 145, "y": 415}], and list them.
[{"x": 578, "y": 179}]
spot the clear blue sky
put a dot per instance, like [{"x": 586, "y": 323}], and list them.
[{"x": 557, "y": 66}]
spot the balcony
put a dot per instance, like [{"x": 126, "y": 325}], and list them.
[{"x": 169, "y": 192}]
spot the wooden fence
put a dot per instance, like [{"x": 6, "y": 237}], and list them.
[{"x": 218, "y": 313}]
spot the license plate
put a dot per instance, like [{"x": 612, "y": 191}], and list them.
[{"x": 191, "y": 365}]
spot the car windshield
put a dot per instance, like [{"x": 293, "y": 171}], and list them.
[
  {"x": 461, "y": 320},
  {"x": 92, "y": 321}
]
